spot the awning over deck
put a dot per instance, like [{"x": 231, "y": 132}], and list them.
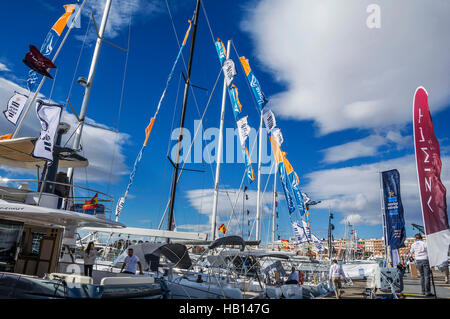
[{"x": 17, "y": 153}]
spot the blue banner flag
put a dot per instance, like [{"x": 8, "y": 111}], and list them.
[
  {"x": 254, "y": 83},
  {"x": 393, "y": 209},
  {"x": 283, "y": 175},
  {"x": 294, "y": 183}
]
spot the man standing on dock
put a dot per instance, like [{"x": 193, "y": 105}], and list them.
[
  {"x": 419, "y": 250},
  {"x": 336, "y": 272}
]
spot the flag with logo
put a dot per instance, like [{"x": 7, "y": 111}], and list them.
[
  {"x": 431, "y": 190},
  {"x": 283, "y": 175},
  {"x": 285, "y": 243},
  {"x": 49, "y": 43},
  {"x": 14, "y": 107},
  {"x": 393, "y": 209},
  {"x": 277, "y": 134},
  {"x": 49, "y": 116},
  {"x": 221, "y": 51},
  {"x": 229, "y": 71},
  {"x": 91, "y": 204},
  {"x": 318, "y": 243},
  {"x": 294, "y": 182},
  {"x": 234, "y": 97},
  {"x": 299, "y": 232},
  {"x": 261, "y": 99},
  {"x": 37, "y": 62},
  {"x": 269, "y": 120}
]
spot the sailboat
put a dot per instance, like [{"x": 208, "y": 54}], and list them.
[{"x": 38, "y": 229}]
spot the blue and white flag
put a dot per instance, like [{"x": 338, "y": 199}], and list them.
[{"x": 254, "y": 83}]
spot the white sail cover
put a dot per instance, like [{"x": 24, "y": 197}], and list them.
[
  {"x": 269, "y": 120},
  {"x": 49, "y": 115},
  {"x": 229, "y": 71},
  {"x": 243, "y": 129},
  {"x": 15, "y": 107}
]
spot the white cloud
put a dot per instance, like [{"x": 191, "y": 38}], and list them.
[
  {"x": 4, "y": 68},
  {"x": 366, "y": 147},
  {"x": 101, "y": 168},
  {"x": 355, "y": 191},
  {"x": 119, "y": 15},
  {"x": 341, "y": 74},
  {"x": 202, "y": 201},
  {"x": 353, "y": 219}
]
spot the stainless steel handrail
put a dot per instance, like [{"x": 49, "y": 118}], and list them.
[{"x": 107, "y": 209}]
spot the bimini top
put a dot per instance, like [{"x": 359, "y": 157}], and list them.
[
  {"x": 228, "y": 241},
  {"x": 17, "y": 153},
  {"x": 50, "y": 216},
  {"x": 150, "y": 253}
]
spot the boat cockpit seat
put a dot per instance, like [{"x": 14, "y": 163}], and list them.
[
  {"x": 71, "y": 278},
  {"x": 108, "y": 281}
]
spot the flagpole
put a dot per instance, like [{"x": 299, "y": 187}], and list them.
[
  {"x": 258, "y": 196},
  {"x": 19, "y": 125},
  {"x": 383, "y": 216},
  {"x": 219, "y": 152},
  {"x": 274, "y": 204}
]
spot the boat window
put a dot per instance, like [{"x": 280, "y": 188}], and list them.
[
  {"x": 10, "y": 235},
  {"x": 36, "y": 242}
]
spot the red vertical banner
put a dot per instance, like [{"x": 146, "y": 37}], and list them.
[{"x": 432, "y": 191}]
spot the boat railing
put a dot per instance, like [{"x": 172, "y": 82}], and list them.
[{"x": 20, "y": 194}]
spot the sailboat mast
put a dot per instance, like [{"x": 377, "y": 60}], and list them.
[
  {"x": 258, "y": 196},
  {"x": 88, "y": 84},
  {"x": 183, "y": 114},
  {"x": 219, "y": 153},
  {"x": 274, "y": 205}
]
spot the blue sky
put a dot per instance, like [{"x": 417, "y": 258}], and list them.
[{"x": 342, "y": 94}]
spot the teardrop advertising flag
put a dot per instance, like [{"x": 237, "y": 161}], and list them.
[
  {"x": 393, "y": 209},
  {"x": 432, "y": 191}
]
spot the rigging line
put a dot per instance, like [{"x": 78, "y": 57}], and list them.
[
  {"x": 207, "y": 22},
  {"x": 53, "y": 86},
  {"x": 242, "y": 180},
  {"x": 201, "y": 121},
  {"x": 69, "y": 94},
  {"x": 120, "y": 105},
  {"x": 182, "y": 57},
  {"x": 168, "y": 148},
  {"x": 173, "y": 113}
]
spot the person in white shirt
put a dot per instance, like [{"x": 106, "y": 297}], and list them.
[
  {"x": 130, "y": 263},
  {"x": 336, "y": 272},
  {"x": 419, "y": 250},
  {"x": 293, "y": 278}
]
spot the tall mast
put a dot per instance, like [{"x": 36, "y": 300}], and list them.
[
  {"x": 274, "y": 206},
  {"x": 219, "y": 153},
  {"x": 258, "y": 196},
  {"x": 88, "y": 84},
  {"x": 183, "y": 114}
]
